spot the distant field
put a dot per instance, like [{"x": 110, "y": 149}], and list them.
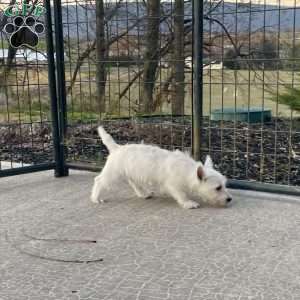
[
  {"x": 244, "y": 88},
  {"x": 228, "y": 89}
]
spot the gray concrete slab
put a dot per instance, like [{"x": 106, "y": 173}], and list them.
[{"x": 151, "y": 249}]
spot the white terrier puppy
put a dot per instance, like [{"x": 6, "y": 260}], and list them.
[{"x": 149, "y": 168}]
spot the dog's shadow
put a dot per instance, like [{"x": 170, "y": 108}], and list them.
[{"x": 122, "y": 192}]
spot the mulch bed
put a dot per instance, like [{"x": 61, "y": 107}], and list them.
[{"x": 243, "y": 151}]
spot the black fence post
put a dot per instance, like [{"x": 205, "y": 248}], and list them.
[
  {"x": 58, "y": 149},
  {"x": 197, "y": 78},
  {"x": 60, "y": 81}
]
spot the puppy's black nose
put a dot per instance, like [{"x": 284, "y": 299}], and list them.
[{"x": 228, "y": 199}]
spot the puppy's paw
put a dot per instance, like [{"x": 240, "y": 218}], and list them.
[
  {"x": 145, "y": 195},
  {"x": 189, "y": 204},
  {"x": 95, "y": 200},
  {"x": 150, "y": 195}
]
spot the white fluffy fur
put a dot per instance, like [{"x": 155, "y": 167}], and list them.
[{"x": 150, "y": 169}]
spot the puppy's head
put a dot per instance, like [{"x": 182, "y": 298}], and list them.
[{"x": 211, "y": 185}]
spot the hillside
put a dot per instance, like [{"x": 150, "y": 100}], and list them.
[{"x": 79, "y": 20}]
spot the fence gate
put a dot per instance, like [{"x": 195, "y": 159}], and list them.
[
  {"x": 26, "y": 137},
  {"x": 208, "y": 77}
]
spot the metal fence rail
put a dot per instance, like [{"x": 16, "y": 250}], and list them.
[{"x": 216, "y": 77}]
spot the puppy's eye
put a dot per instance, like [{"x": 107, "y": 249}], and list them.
[{"x": 219, "y": 188}]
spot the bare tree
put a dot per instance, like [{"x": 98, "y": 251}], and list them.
[
  {"x": 174, "y": 43},
  {"x": 101, "y": 54},
  {"x": 151, "y": 55},
  {"x": 11, "y": 52},
  {"x": 178, "y": 61}
]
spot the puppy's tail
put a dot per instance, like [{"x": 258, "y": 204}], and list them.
[{"x": 107, "y": 140}]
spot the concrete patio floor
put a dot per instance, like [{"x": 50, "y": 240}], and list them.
[{"x": 151, "y": 249}]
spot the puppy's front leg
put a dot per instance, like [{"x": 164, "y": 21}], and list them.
[{"x": 181, "y": 198}]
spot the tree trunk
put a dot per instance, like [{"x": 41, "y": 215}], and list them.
[
  {"x": 151, "y": 55},
  {"x": 10, "y": 56},
  {"x": 100, "y": 55},
  {"x": 178, "y": 60}
]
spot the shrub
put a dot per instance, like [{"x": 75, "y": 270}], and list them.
[{"x": 291, "y": 98}]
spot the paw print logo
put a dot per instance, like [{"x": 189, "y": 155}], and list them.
[{"x": 24, "y": 31}]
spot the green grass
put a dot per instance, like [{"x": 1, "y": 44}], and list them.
[
  {"x": 22, "y": 117},
  {"x": 227, "y": 89},
  {"x": 82, "y": 116},
  {"x": 235, "y": 90}
]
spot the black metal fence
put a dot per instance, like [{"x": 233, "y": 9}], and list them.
[
  {"x": 220, "y": 77},
  {"x": 26, "y": 142}
]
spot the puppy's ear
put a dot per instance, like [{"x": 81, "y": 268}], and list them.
[
  {"x": 200, "y": 173},
  {"x": 208, "y": 162}
]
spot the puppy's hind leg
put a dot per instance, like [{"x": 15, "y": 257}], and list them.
[
  {"x": 98, "y": 188},
  {"x": 139, "y": 192},
  {"x": 102, "y": 183}
]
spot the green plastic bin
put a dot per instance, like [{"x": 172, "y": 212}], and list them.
[{"x": 251, "y": 115}]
